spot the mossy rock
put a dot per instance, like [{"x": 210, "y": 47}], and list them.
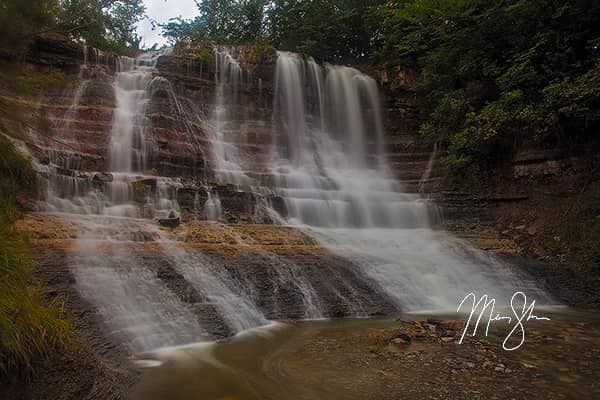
[
  {"x": 32, "y": 81},
  {"x": 257, "y": 53},
  {"x": 138, "y": 190},
  {"x": 207, "y": 55}
]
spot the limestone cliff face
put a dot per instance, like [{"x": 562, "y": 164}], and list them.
[{"x": 67, "y": 126}]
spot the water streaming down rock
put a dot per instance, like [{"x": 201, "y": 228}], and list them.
[
  {"x": 124, "y": 190},
  {"x": 107, "y": 262},
  {"x": 330, "y": 169},
  {"x": 212, "y": 206},
  {"x": 139, "y": 311},
  {"x": 230, "y": 296},
  {"x": 127, "y": 140},
  {"x": 326, "y": 164},
  {"x": 79, "y": 92},
  {"x": 227, "y": 164},
  {"x": 334, "y": 176},
  {"x": 427, "y": 173}
]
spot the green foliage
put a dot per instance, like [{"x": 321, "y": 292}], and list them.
[
  {"x": 28, "y": 328},
  {"x": 327, "y": 30},
  {"x": 221, "y": 21},
  {"x": 19, "y": 20},
  {"x": 106, "y": 24},
  {"x": 30, "y": 81},
  {"x": 334, "y": 31},
  {"x": 575, "y": 98},
  {"x": 16, "y": 177},
  {"x": 497, "y": 74}
]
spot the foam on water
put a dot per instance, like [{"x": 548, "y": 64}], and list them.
[
  {"x": 327, "y": 163},
  {"x": 329, "y": 124},
  {"x": 138, "y": 310}
]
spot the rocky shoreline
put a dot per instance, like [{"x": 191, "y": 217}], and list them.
[
  {"x": 107, "y": 374},
  {"x": 410, "y": 357}
]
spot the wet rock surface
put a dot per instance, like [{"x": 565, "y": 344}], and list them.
[
  {"x": 413, "y": 359},
  {"x": 265, "y": 260},
  {"x": 276, "y": 265},
  {"x": 392, "y": 359}
]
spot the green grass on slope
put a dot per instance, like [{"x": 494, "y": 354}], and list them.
[{"x": 29, "y": 328}]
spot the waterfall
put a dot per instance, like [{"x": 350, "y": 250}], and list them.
[
  {"x": 324, "y": 167},
  {"x": 227, "y": 166},
  {"x": 127, "y": 144},
  {"x": 289, "y": 104},
  {"x": 427, "y": 173},
  {"x": 111, "y": 212},
  {"x": 212, "y": 206},
  {"x": 137, "y": 308},
  {"x": 335, "y": 175},
  {"x": 330, "y": 168},
  {"x": 228, "y": 295}
]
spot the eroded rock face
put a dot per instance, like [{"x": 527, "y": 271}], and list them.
[
  {"x": 181, "y": 104},
  {"x": 178, "y": 116},
  {"x": 278, "y": 266}
]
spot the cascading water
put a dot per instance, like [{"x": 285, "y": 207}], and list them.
[
  {"x": 112, "y": 193},
  {"x": 138, "y": 309},
  {"x": 428, "y": 169},
  {"x": 221, "y": 289},
  {"x": 327, "y": 164},
  {"x": 334, "y": 175},
  {"x": 331, "y": 171},
  {"x": 228, "y": 76},
  {"x": 107, "y": 262},
  {"x": 127, "y": 140},
  {"x": 212, "y": 206}
]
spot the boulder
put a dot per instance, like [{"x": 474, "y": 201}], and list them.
[
  {"x": 170, "y": 222},
  {"x": 65, "y": 171},
  {"x": 452, "y": 325},
  {"x": 143, "y": 188},
  {"x": 401, "y": 338},
  {"x": 101, "y": 178},
  {"x": 278, "y": 204}
]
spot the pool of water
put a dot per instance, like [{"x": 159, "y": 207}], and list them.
[{"x": 348, "y": 359}]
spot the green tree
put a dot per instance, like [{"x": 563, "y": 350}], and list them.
[
  {"x": 328, "y": 30},
  {"x": 496, "y": 74},
  {"x": 221, "y": 21},
  {"x": 106, "y": 24},
  {"x": 20, "y": 20},
  {"x": 334, "y": 31}
]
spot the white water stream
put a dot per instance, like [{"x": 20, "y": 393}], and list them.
[
  {"x": 331, "y": 171},
  {"x": 327, "y": 163}
]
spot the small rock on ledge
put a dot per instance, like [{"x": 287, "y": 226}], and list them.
[{"x": 171, "y": 222}]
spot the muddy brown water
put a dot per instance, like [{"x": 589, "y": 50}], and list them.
[{"x": 345, "y": 359}]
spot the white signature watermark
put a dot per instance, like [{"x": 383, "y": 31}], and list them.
[{"x": 521, "y": 313}]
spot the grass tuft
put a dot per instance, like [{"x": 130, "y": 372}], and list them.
[{"x": 29, "y": 329}]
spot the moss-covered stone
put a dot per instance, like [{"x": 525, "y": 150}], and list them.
[
  {"x": 33, "y": 81},
  {"x": 256, "y": 53},
  {"x": 138, "y": 191}
]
